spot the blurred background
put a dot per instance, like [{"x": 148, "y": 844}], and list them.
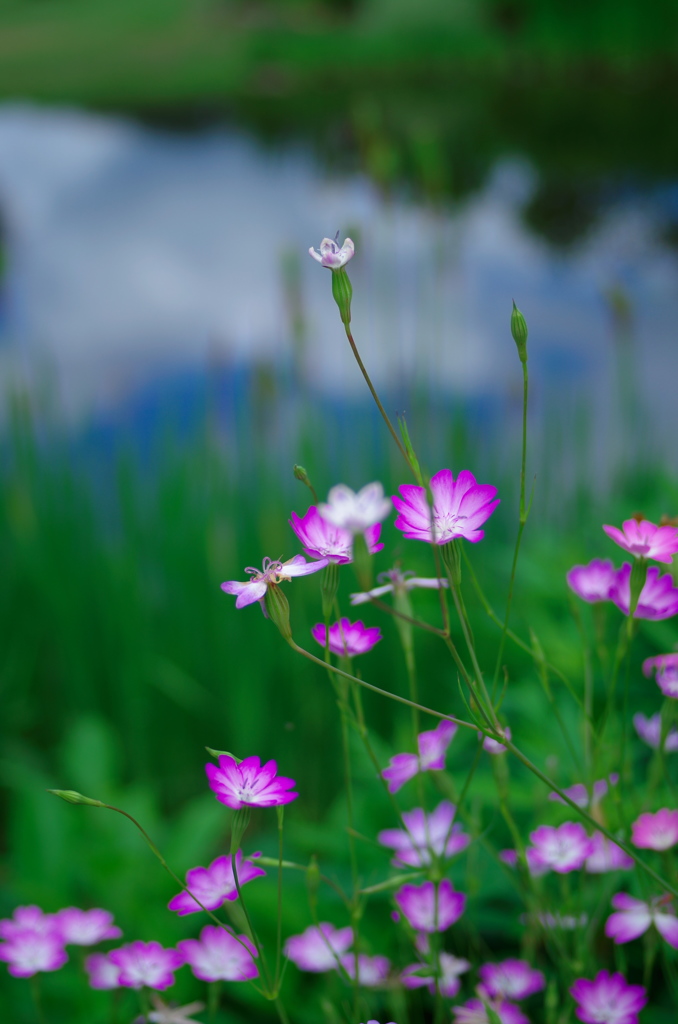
[{"x": 168, "y": 350}]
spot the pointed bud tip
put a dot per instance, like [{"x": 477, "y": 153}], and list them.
[{"x": 519, "y": 331}]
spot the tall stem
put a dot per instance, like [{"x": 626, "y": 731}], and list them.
[{"x": 375, "y": 396}]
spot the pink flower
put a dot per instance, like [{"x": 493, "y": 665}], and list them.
[
  {"x": 606, "y": 856},
  {"x": 582, "y": 796},
  {"x": 249, "y": 784},
  {"x": 321, "y": 539},
  {"x": 146, "y": 963},
  {"x": 666, "y": 666},
  {"x": 510, "y": 979},
  {"x": 372, "y": 970},
  {"x": 213, "y": 885},
  {"x": 430, "y": 908},
  {"x": 634, "y": 917},
  {"x": 398, "y": 582},
  {"x": 29, "y": 952},
  {"x": 103, "y": 973},
  {"x": 473, "y": 1012},
  {"x": 219, "y": 956},
  {"x": 650, "y": 730},
  {"x": 561, "y": 849},
  {"x": 30, "y": 918},
  {"x": 494, "y": 746},
  {"x": 460, "y": 507},
  {"x": 330, "y": 255},
  {"x": 592, "y": 582},
  {"x": 355, "y": 512},
  {"x": 425, "y": 836},
  {"x": 432, "y": 747},
  {"x": 319, "y": 949},
  {"x": 348, "y": 638},
  {"x": 645, "y": 540},
  {"x": 655, "y": 831},
  {"x": 420, "y": 975},
  {"x": 658, "y": 598},
  {"x": 271, "y": 573},
  {"x": 608, "y": 999},
  {"x": 86, "y": 927}
]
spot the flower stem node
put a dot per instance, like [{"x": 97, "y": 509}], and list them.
[
  {"x": 519, "y": 332},
  {"x": 342, "y": 292},
  {"x": 278, "y": 610}
]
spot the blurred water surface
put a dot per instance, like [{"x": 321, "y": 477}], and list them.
[{"x": 141, "y": 264}]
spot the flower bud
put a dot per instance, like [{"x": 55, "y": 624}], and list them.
[
  {"x": 519, "y": 332},
  {"x": 278, "y": 609},
  {"x": 71, "y": 797},
  {"x": 342, "y": 292},
  {"x": 301, "y": 474}
]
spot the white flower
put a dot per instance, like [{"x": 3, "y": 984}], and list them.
[
  {"x": 356, "y": 512},
  {"x": 331, "y": 255},
  {"x": 398, "y": 581}
]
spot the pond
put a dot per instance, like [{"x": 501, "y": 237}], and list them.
[{"x": 140, "y": 262}]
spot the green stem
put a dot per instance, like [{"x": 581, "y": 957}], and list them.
[
  {"x": 37, "y": 999},
  {"x": 375, "y": 396},
  {"x": 278, "y": 945}
]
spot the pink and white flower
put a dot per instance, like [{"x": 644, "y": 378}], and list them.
[
  {"x": 666, "y": 668},
  {"x": 474, "y": 1012},
  {"x": 658, "y": 598},
  {"x": 460, "y": 507},
  {"x": 432, "y": 748},
  {"x": 213, "y": 885},
  {"x": 593, "y": 582},
  {"x": 645, "y": 540},
  {"x": 146, "y": 963},
  {"x": 606, "y": 856},
  {"x": 272, "y": 573},
  {"x": 319, "y": 948},
  {"x": 650, "y": 731},
  {"x": 608, "y": 999},
  {"x": 347, "y": 639},
  {"x": 634, "y": 917},
  {"x": 355, "y": 512},
  {"x": 372, "y": 970},
  {"x": 561, "y": 849},
  {"x": 510, "y": 979},
  {"x": 425, "y": 836},
  {"x": 494, "y": 746},
  {"x": 330, "y": 255},
  {"x": 103, "y": 973},
  {"x": 249, "y": 784},
  {"x": 28, "y": 952},
  {"x": 657, "y": 831},
  {"x": 582, "y": 796},
  {"x": 449, "y": 983},
  {"x": 398, "y": 582},
  {"x": 86, "y": 927},
  {"x": 429, "y": 907},
  {"x": 30, "y": 918},
  {"x": 321, "y": 539},
  {"x": 535, "y": 865},
  {"x": 219, "y": 956}
]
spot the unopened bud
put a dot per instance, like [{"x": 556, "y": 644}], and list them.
[
  {"x": 71, "y": 797},
  {"x": 342, "y": 291},
  {"x": 519, "y": 332},
  {"x": 301, "y": 474},
  {"x": 278, "y": 609}
]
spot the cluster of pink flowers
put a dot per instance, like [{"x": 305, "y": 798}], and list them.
[
  {"x": 35, "y": 941},
  {"x": 600, "y": 581},
  {"x": 432, "y": 746}
]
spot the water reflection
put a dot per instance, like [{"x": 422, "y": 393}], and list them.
[{"x": 137, "y": 260}]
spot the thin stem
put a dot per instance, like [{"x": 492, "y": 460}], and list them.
[
  {"x": 37, "y": 999},
  {"x": 278, "y": 945},
  {"x": 253, "y": 934},
  {"x": 375, "y": 396}
]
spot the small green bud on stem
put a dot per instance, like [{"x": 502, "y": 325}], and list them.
[
  {"x": 71, "y": 797},
  {"x": 519, "y": 332},
  {"x": 301, "y": 475}
]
